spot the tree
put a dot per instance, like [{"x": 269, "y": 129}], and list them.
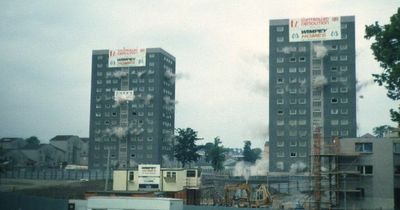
[
  {"x": 381, "y": 130},
  {"x": 250, "y": 155},
  {"x": 33, "y": 140},
  {"x": 185, "y": 150},
  {"x": 215, "y": 154},
  {"x": 386, "y": 50}
]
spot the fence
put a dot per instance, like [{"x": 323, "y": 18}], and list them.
[{"x": 55, "y": 174}]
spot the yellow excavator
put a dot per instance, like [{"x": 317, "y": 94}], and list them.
[{"x": 246, "y": 196}]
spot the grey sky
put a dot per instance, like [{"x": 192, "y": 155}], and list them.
[{"x": 221, "y": 49}]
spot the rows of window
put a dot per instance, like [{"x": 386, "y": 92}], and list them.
[
  {"x": 340, "y": 122},
  {"x": 282, "y": 29},
  {"x": 292, "y": 122},
  {"x": 281, "y": 39},
  {"x": 292, "y": 143},
  {"x": 341, "y": 89},
  {"x": 291, "y": 90},
  {"x": 291, "y": 59},
  {"x": 341, "y": 100},
  {"x": 342, "y": 132},
  {"x": 301, "y": 80},
  {"x": 281, "y": 154},
  {"x": 301, "y": 133}
]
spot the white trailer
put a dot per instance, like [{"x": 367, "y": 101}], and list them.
[{"x": 133, "y": 203}]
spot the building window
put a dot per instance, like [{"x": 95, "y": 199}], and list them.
[
  {"x": 303, "y": 133},
  {"x": 280, "y": 60},
  {"x": 334, "y": 111},
  {"x": 280, "y": 112},
  {"x": 280, "y": 143},
  {"x": 343, "y": 89},
  {"x": 333, "y": 58},
  {"x": 293, "y": 123},
  {"x": 280, "y": 122},
  {"x": 302, "y": 90},
  {"x": 280, "y": 39},
  {"x": 280, "y": 154},
  {"x": 292, "y": 59},
  {"x": 302, "y": 111},
  {"x": 293, "y": 143},
  {"x": 344, "y": 133},
  {"x": 279, "y": 28},
  {"x": 344, "y": 100},
  {"x": 334, "y": 89},
  {"x": 396, "y": 148},
  {"x": 334, "y": 133},
  {"x": 293, "y": 154},
  {"x": 302, "y": 100},
  {"x": 279, "y": 91},
  {"x": 397, "y": 170},
  {"x": 344, "y": 122},
  {"x": 343, "y": 26},
  {"x": 279, "y": 80},
  {"x": 343, "y": 47},
  {"x": 302, "y": 48},
  {"x": 131, "y": 175},
  {"x": 292, "y": 90},
  {"x": 344, "y": 36},
  {"x": 292, "y": 80},
  {"x": 302, "y": 143},
  {"x": 292, "y": 112},
  {"x": 280, "y": 133},
  {"x": 280, "y": 101},
  {"x": 100, "y": 57},
  {"x": 343, "y": 79},
  {"x": 292, "y": 70},
  {"x": 365, "y": 170},
  {"x": 363, "y": 147},
  {"x": 344, "y": 111},
  {"x": 334, "y": 68},
  {"x": 334, "y": 122},
  {"x": 279, "y": 70},
  {"x": 343, "y": 68},
  {"x": 334, "y": 100},
  {"x": 302, "y": 69},
  {"x": 333, "y": 79}
]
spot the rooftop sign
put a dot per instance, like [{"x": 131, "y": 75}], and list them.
[
  {"x": 126, "y": 58},
  {"x": 314, "y": 29}
]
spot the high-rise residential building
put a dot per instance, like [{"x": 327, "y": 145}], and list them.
[
  {"x": 132, "y": 107},
  {"x": 312, "y": 86}
]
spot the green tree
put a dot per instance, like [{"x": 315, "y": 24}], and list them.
[
  {"x": 185, "y": 150},
  {"x": 386, "y": 49},
  {"x": 250, "y": 155},
  {"x": 381, "y": 130},
  {"x": 215, "y": 154},
  {"x": 33, "y": 140}
]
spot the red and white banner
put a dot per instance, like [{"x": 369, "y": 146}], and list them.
[
  {"x": 126, "y": 58},
  {"x": 314, "y": 29}
]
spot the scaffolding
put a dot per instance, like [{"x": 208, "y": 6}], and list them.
[{"x": 335, "y": 174}]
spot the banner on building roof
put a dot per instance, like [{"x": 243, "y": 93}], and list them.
[
  {"x": 126, "y": 58},
  {"x": 314, "y": 29}
]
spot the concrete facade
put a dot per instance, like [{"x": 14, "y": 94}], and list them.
[
  {"x": 377, "y": 184},
  {"x": 72, "y": 146},
  {"x": 138, "y": 131},
  {"x": 312, "y": 84}
]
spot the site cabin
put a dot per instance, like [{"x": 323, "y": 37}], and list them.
[
  {"x": 153, "y": 178},
  {"x": 166, "y": 182},
  {"x": 130, "y": 203}
]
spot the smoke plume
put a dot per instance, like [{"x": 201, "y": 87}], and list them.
[
  {"x": 297, "y": 167},
  {"x": 319, "y": 81},
  {"x": 364, "y": 84},
  {"x": 246, "y": 169},
  {"x": 320, "y": 50},
  {"x": 119, "y": 74},
  {"x": 118, "y": 131}
]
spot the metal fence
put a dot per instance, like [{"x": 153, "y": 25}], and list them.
[{"x": 55, "y": 174}]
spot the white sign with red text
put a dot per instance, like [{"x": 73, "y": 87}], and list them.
[
  {"x": 314, "y": 29},
  {"x": 126, "y": 58}
]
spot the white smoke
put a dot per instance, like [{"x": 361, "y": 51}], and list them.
[
  {"x": 261, "y": 87},
  {"x": 288, "y": 50},
  {"x": 121, "y": 98},
  {"x": 173, "y": 77},
  {"x": 169, "y": 103},
  {"x": 364, "y": 84},
  {"x": 297, "y": 167},
  {"x": 319, "y": 81},
  {"x": 119, "y": 74},
  {"x": 320, "y": 50},
  {"x": 168, "y": 162},
  {"x": 147, "y": 99},
  {"x": 141, "y": 73},
  {"x": 245, "y": 169},
  {"x": 118, "y": 131}
]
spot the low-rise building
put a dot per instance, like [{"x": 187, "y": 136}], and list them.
[
  {"x": 71, "y": 145},
  {"x": 11, "y": 143}
]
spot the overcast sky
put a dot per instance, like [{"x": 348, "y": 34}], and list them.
[{"x": 221, "y": 49}]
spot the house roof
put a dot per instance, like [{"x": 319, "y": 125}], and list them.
[
  {"x": 62, "y": 137},
  {"x": 50, "y": 145},
  {"x": 85, "y": 139},
  {"x": 9, "y": 139},
  {"x": 30, "y": 147},
  {"x": 368, "y": 135}
]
